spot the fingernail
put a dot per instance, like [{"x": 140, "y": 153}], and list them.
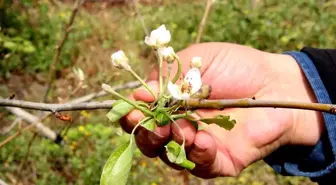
[{"x": 154, "y": 136}]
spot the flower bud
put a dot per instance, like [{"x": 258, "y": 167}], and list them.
[
  {"x": 79, "y": 73},
  {"x": 159, "y": 37},
  {"x": 167, "y": 54},
  {"x": 120, "y": 60},
  {"x": 196, "y": 62}
]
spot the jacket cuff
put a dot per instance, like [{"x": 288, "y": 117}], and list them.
[{"x": 317, "y": 162}]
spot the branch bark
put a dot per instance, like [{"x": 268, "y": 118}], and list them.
[
  {"x": 190, "y": 104},
  {"x": 56, "y": 107},
  {"x": 250, "y": 103}
]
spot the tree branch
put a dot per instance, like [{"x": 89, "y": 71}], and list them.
[
  {"x": 250, "y": 103},
  {"x": 141, "y": 19},
  {"x": 204, "y": 19},
  {"x": 60, "y": 45},
  {"x": 45, "y": 131},
  {"x": 190, "y": 104},
  {"x": 56, "y": 107}
]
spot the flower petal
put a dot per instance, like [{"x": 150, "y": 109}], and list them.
[
  {"x": 174, "y": 91},
  {"x": 185, "y": 96},
  {"x": 193, "y": 76}
]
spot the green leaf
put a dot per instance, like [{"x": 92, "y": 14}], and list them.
[
  {"x": 176, "y": 154},
  {"x": 173, "y": 150},
  {"x": 149, "y": 125},
  {"x": 162, "y": 118},
  {"x": 222, "y": 121},
  {"x": 120, "y": 109},
  {"x": 118, "y": 166}
]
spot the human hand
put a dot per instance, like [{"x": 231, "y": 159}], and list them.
[{"x": 235, "y": 71}]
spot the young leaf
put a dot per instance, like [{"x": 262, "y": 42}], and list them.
[
  {"x": 176, "y": 154},
  {"x": 120, "y": 109},
  {"x": 149, "y": 125},
  {"x": 161, "y": 118},
  {"x": 222, "y": 121},
  {"x": 173, "y": 150},
  {"x": 118, "y": 166}
]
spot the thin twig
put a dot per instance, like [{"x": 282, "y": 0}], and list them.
[
  {"x": 60, "y": 45},
  {"x": 27, "y": 153},
  {"x": 54, "y": 107},
  {"x": 86, "y": 98},
  {"x": 36, "y": 122},
  {"x": 204, "y": 19},
  {"x": 10, "y": 127},
  {"x": 16, "y": 134},
  {"x": 190, "y": 104},
  {"x": 143, "y": 24}
]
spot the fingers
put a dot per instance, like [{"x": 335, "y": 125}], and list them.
[
  {"x": 188, "y": 130},
  {"x": 143, "y": 94},
  {"x": 129, "y": 121},
  {"x": 202, "y": 152},
  {"x": 151, "y": 143}
]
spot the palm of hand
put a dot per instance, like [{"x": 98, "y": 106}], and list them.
[{"x": 235, "y": 71}]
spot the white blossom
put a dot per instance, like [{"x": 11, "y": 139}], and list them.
[
  {"x": 120, "y": 60},
  {"x": 196, "y": 62},
  {"x": 167, "y": 54},
  {"x": 79, "y": 73},
  {"x": 191, "y": 84},
  {"x": 159, "y": 37}
]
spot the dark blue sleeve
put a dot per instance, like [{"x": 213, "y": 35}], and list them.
[{"x": 317, "y": 162}]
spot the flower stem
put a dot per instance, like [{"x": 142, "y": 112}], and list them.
[
  {"x": 162, "y": 100},
  {"x": 109, "y": 89},
  {"x": 179, "y": 69},
  {"x": 142, "y": 82},
  {"x": 160, "y": 74},
  {"x": 140, "y": 122},
  {"x": 167, "y": 78}
]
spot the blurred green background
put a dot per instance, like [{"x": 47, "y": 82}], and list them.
[{"x": 30, "y": 29}]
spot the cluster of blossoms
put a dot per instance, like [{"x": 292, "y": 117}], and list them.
[{"x": 158, "y": 40}]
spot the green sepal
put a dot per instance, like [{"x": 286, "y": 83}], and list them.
[
  {"x": 162, "y": 118},
  {"x": 221, "y": 120}
]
